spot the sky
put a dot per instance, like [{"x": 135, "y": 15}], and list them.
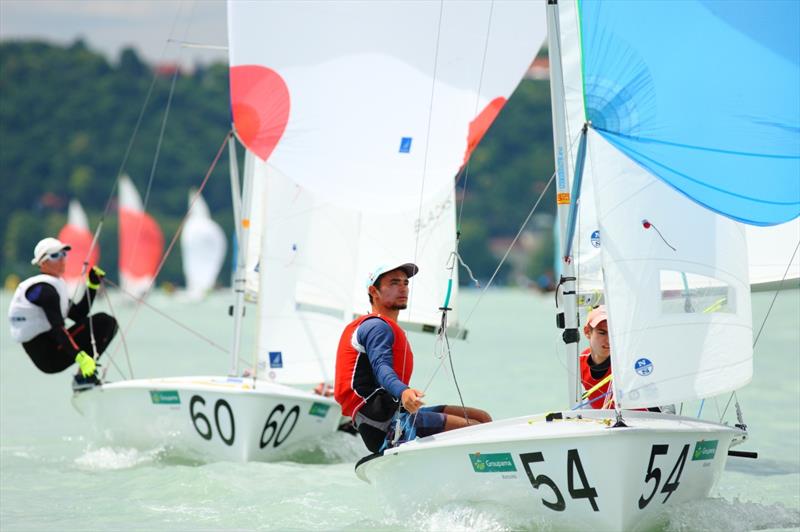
[{"x": 108, "y": 26}]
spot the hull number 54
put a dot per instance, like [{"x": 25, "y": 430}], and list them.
[{"x": 577, "y": 490}]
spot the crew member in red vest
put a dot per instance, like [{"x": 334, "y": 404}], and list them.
[
  {"x": 595, "y": 361},
  {"x": 374, "y": 364}
]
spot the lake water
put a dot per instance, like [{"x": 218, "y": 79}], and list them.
[{"x": 53, "y": 476}]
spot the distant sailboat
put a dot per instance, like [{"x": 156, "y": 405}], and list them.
[
  {"x": 76, "y": 233},
  {"x": 203, "y": 249},
  {"x": 141, "y": 242}
]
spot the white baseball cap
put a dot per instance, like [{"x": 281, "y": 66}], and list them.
[
  {"x": 411, "y": 270},
  {"x": 45, "y": 247}
]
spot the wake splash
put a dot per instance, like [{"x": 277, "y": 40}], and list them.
[
  {"x": 116, "y": 458},
  {"x": 733, "y": 516}
]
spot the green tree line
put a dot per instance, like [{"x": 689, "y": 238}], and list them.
[{"x": 67, "y": 122}]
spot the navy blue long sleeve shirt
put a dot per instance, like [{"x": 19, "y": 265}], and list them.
[{"x": 376, "y": 336}]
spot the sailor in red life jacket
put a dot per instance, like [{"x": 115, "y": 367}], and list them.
[
  {"x": 374, "y": 364},
  {"x": 595, "y": 362}
]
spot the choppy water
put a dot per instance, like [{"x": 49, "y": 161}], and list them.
[{"x": 52, "y": 476}]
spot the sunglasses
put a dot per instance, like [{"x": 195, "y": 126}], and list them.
[{"x": 57, "y": 255}]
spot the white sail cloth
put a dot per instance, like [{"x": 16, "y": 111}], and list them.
[
  {"x": 203, "y": 248},
  {"x": 374, "y": 105},
  {"x": 365, "y": 112},
  {"x": 678, "y": 297}
]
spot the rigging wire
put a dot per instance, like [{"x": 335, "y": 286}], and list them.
[
  {"x": 764, "y": 321},
  {"x": 510, "y": 247},
  {"x": 477, "y": 104},
  {"x": 519, "y": 232},
  {"x": 180, "y": 228},
  {"x": 98, "y": 230},
  {"x": 425, "y": 163},
  {"x": 128, "y": 149},
  {"x": 124, "y": 344},
  {"x": 183, "y": 326}
]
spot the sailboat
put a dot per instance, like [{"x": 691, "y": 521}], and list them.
[
  {"x": 203, "y": 248},
  {"x": 76, "y": 233},
  {"x": 271, "y": 413},
  {"x": 141, "y": 242},
  {"x": 659, "y": 136}
]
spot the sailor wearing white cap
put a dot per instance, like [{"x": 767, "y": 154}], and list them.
[
  {"x": 374, "y": 363},
  {"x": 41, "y": 304}
]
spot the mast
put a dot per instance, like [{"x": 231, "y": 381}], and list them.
[
  {"x": 567, "y": 319},
  {"x": 241, "y": 207}
]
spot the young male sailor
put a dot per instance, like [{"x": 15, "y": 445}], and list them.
[
  {"x": 595, "y": 362},
  {"x": 374, "y": 364},
  {"x": 38, "y": 310}
]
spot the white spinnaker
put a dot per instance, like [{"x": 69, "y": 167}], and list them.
[
  {"x": 128, "y": 195},
  {"x": 669, "y": 344},
  {"x": 363, "y": 76},
  {"x": 770, "y": 251},
  {"x": 256, "y": 171},
  {"x": 306, "y": 267},
  {"x": 203, "y": 248}
]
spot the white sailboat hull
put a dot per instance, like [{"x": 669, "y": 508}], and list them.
[
  {"x": 209, "y": 418},
  {"x": 573, "y": 473}
]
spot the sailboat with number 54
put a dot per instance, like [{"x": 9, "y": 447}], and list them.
[{"x": 665, "y": 150}]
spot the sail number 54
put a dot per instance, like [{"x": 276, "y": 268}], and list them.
[
  {"x": 654, "y": 474},
  {"x": 574, "y": 466}
]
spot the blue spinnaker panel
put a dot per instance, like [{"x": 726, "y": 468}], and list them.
[{"x": 704, "y": 94}]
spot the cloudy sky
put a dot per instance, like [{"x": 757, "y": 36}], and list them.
[{"x": 110, "y": 25}]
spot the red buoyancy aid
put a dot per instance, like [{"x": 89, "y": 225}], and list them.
[
  {"x": 589, "y": 381},
  {"x": 347, "y": 357}
]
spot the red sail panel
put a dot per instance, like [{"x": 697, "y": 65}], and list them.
[
  {"x": 480, "y": 125},
  {"x": 81, "y": 240},
  {"x": 260, "y": 106},
  {"x": 141, "y": 244}
]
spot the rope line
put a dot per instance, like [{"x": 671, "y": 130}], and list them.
[
  {"x": 124, "y": 344},
  {"x": 185, "y": 327},
  {"x": 425, "y": 164},
  {"x": 128, "y": 149},
  {"x": 510, "y": 247},
  {"x": 210, "y": 170}
]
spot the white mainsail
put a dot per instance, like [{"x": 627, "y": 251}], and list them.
[
  {"x": 203, "y": 247},
  {"x": 374, "y": 124}
]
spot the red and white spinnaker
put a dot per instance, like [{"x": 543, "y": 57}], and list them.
[
  {"x": 141, "y": 242},
  {"x": 76, "y": 233}
]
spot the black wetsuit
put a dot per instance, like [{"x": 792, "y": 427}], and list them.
[{"x": 53, "y": 351}]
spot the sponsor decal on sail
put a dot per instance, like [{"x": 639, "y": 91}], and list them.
[{"x": 643, "y": 367}]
